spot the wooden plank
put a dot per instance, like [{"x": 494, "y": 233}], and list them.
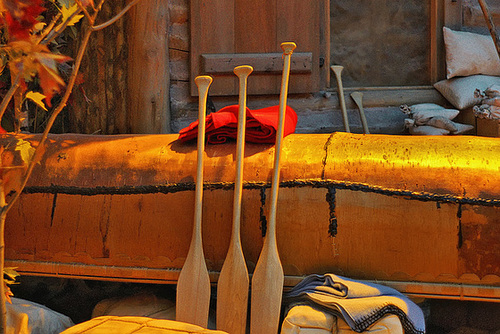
[
  {"x": 325, "y": 44},
  {"x": 212, "y": 31},
  {"x": 261, "y": 62},
  {"x": 148, "y": 68},
  {"x": 299, "y": 23},
  {"x": 436, "y": 40},
  {"x": 255, "y": 31},
  {"x": 453, "y": 14}
]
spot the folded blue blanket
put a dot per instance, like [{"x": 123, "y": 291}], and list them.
[{"x": 360, "y": 304}]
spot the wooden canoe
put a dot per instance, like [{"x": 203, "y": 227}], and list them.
[{"x": 419, "y": 213}]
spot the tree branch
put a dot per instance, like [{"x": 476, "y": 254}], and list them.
[
  {"x": 117, "y": 17},
  {"x": 87, "y": 15},
  {"x": 10, "y": 94},
  {"x": 40, "y": 148},
  {"x": 54, "y": 33},
  {"x": 49, "y": 28}
]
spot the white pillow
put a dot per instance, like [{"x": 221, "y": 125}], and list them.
[
  {"x": 460, "y": 91},
  {"x": 468, "y": 54}
]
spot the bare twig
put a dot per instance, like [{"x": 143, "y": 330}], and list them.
[
  {"x": 10, "y": 93},
  {"x": 87, "y": 15},
  {"x": 491, "y": 25},
  {"x": 117, "y": 17},
  {"x": 40, "y": 148},
  {"x": 54, "y": 33},
  {"x": 49, "y": 28}
]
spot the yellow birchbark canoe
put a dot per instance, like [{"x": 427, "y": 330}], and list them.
[{"x": 422, "y": 213}]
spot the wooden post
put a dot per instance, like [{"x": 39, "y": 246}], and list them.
[{"x": 148, "y": 68}]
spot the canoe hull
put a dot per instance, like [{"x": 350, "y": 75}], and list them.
[{"x": 370, "y": 207}]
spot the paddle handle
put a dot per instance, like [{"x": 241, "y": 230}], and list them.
[
  {"x": 491, "y": 25},
  {"x": 242, "y": 72},
  {"x": 288, "y": 48},
  {"x": 337, "y": 69},
  {"x": 358, "y": 98},
  {"x": 203, "y": 83}
]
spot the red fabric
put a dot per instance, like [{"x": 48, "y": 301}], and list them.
[{"x": 261, "y": 126}]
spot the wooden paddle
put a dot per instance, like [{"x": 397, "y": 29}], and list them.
[
  {"x": 491, "y": 25},
  {"x": 337, "y": 69},
  {"x": 193, "y": 285},
  {"x": 232, "y": 287},
  {"x": 267, "y": 280},
  {"x": 358, "y": 98}
]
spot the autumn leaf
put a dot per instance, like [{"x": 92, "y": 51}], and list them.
[
  {"x": 11, "y": 273},
  {"x": 25, "y": 150},
  {"x": 21, "y": 17},
  {"x": 10, "y": 279},
  {"x": 37, "y": 98},
  {"x": 67, "y": 12},
  {"x": 8, "y": 293},
  {"x": 66, "y": 3},
  {"x": 37, "y": 59},
  {"x": 50, "y": 81},
  {"x": 88, "y": 2}
]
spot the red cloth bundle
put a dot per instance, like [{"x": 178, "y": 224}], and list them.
[{"x": 261, "y": 126}]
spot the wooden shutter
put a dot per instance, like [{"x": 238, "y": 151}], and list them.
[{"x": 228, "y": 33}]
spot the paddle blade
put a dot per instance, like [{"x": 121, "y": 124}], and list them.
[
  {"x": 232, "y": 293},
  {"x": 193, "y": 290},
  {"x": 267, "y": 290}
]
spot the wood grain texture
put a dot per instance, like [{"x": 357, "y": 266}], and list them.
[
  {"x": 212, "y": 31},
  {"x": 193, "y": 286},
  {"x": 101, "y": 104},
  {"x": 261, "y": 62},
  {"x": 233, "y": 284},
  {"x": 268, "y": 277},
  {"x": 148, "y": 81},
  {"x": 255, "y": 27}
]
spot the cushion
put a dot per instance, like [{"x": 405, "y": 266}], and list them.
[
  {"x": 140, "y": 305},
  {"x": 24, "y": 316},
  {"x": 136, "y": 325},
  {"x": 304, "y": 319},
  {"x": 389, "y": 324},
  {"x": 468, "y": 54},
  {"x": 307, "y": 320},
  {"x": 460, "y": 91}
]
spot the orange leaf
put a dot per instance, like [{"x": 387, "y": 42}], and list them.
[
  {"x": 50, "y": 81},
  {"x": 21, "y": 16},
  {"x": 88, "y": 2}
]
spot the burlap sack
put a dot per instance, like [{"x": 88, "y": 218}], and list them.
[{"x": 468, "y": 54}]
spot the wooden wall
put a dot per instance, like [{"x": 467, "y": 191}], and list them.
[{"x": 137, "y": 75}]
